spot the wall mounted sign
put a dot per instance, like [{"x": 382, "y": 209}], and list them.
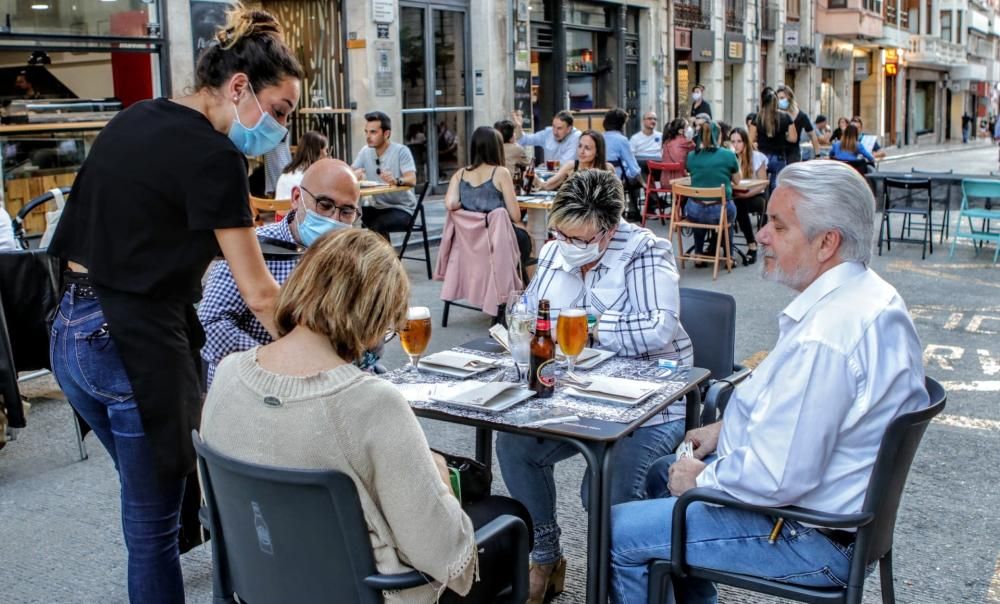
[
  {"x": 385, "y": 75},
  {"x": 383, "y": 11}
]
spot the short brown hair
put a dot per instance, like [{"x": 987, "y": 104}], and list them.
[{"x": 349, "y": 287}]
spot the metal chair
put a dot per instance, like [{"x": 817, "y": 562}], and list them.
[
  {"x": 287, "y": 535},
  {"x": 703, "y": 196},
  {"x": 984, "y": 189},
  {"x": 421, "y": 227},
  {"x": 943, "y": 226},
  {"x": 24, "y": 240},
  {"x": 709, "y": 318},
  {"x": 875, "y": 522},
  {"x": 890, "y": 207},
  {"x": 656, "y": 185}
]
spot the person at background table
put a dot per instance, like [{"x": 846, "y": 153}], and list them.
[
  {"x": 868, "y": 141},
  {"x": 803, "y": 125},
  {"x": 753, "y": 165},
  {"x": 327, "y": 199},
  {"x": 823, "y": 132},
  {"x": 388, "y": 163},
  {"x": 847, "y": 335},
  {"x": 647, "y": 143},
  {"x": 126, "y": 339},
  {"x": 711, "y": 166},
  {"x": 698, "y": 103},
  {"x": 275, "y": 161},
  {"x": 590, "y": 155},
  {"x": 619, "y": 150},
  {"x": 625, "y": 276},
  {"x": 724, "y": 130},
  {"x": 558, "y": 141},
  {"x": 515, "y": 159},
  {"x": 773, "y": 131},
  {"x": 485, "y": 185},
  {"x": 677, "y": 143},
  {"x": 838, "y": 132},
  {"x": 849, "y": 148},
  {"x": 312, "y": 147},
  {"x": 348, "y": 291}
]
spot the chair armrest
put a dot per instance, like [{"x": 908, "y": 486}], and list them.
[
  {"x": 414, "y": 578},
  {"x": 719, "y": 392},
  {"x": 508, "y": 524},
  {"x": 678, "y": 553}
]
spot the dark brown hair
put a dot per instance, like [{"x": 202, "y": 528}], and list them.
[
  {"x": 600, "y": 155},
  {"x": 309, "y": 150},
  {"x": 486, "y": 148},
  {"x": 250, "y": 42}
]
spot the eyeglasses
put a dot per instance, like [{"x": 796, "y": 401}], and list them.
[
  {"x": 328, "y": 207},
  {"x": 578, "y": 243}
]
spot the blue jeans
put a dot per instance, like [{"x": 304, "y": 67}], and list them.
[
  {"x": 697, "y": 212},
  {"x": 527, "y": 465},
  {"x": 775, "y": 164},
  {"x": 90, "y": 372}
]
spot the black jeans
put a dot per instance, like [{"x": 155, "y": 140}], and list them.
[
  {"x": 523, "y": 245},
  {"x": 386, "y": 220},
  {"x": 496, "y": 564},
  {"x": 744, "y": 207}
]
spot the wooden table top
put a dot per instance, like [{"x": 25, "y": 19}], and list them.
[
  {"x": 383, "y": 190},
  {"x": 538, "y": 202},
  {"x": 745, "y": 185}
]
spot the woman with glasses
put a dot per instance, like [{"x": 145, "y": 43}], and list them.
[
  {"x": 626, "y": 279},
  {"x": 326, "y": 200},
  {"x": 486, "y": 184}
]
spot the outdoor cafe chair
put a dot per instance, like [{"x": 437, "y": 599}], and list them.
[
  {"x": 875, "y": 523},
  {"x": 939, "y": 195},
  {"x": 908, "y": 210},
  {"x": 658, "y": 186},
  {"x": 21, "y": 237},
  {"x": 989, "y": 190},
  {"x": 420, "y": 227},
  {"x": 264, "y": 205},
  {"x": 290, "y": 535},
  {"x": 703, "y": 196}
]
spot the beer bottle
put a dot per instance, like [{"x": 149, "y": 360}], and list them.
[
  {"x": 529, "y": 179},
  {"x": 542, "y": 376}
]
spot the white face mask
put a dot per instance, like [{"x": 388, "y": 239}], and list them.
[
  {"x": 689, "y": 133},
  {"x": 696, "y": 96},
  {"x": 577, "y": 257}
]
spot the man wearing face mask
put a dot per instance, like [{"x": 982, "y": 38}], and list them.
[
  {"x": 625, "y": 277},
  {"x": 326, "y": 200},
  {"x": 698, "y": 103}
]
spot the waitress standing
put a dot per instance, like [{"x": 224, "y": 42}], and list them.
[{"x": 163, "y": 190}]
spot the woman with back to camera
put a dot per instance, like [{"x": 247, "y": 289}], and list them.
[
  {"x": 710, "y": 166},
  {"x": 327, "y": 414},
  {"x": 590, "y": 155},
  {"x": 126, "y": 339},
  {"x": 486, "y": 185},
  {"x": 312, "y": 147},
  {"x": 773, "y": 130}
]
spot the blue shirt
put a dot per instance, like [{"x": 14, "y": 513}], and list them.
[
  {"x": 618, "y": 148},
  {"x": 564, "y": 150},
  {"x": 837, "y": 153}
]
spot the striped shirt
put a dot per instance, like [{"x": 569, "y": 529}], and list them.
[{"x": 633, "y": 290}]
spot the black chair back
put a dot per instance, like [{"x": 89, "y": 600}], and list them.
[
  {"x": 909, "y": 184},
  {"x": 29, "y": 297},
  {"x": 422, "y": 228},
  {"x": 709, "y": 318},
  {"x": 283, "y": 535},
  {"x": 892, "y": 466}
]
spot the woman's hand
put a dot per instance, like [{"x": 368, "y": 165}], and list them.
[{"x": 442, "y": 468}]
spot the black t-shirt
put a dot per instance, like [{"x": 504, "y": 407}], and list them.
[
  {"x": 837, "y": 135},
  {"x": 703, "y": 108},
  {"x": 802, "y": 124},
  {"x": 158, "y": 180},
  {"x": 777, "y": 144}
]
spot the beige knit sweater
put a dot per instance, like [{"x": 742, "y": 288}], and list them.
[{"x": 350, "y": 421}]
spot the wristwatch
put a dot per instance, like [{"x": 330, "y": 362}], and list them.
[{"x": 399, "y": 182}]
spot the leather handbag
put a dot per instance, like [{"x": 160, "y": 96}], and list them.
[{"x": 475, "y": 477}]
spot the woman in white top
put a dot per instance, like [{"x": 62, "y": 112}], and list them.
[
  {"x": 626, "y": 278},
  {"x": 753, "y": 164},
  {"x": 313, "y": 146}
]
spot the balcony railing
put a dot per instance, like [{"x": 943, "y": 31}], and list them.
[
  {"x": 696, "y": 15},
  {"x": 931, "y": 50}
]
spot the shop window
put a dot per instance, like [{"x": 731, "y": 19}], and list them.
[
  {"x": 584, "y": 13},
  {"x": 923, "y": 107},
  {"x": 539, "y": 10},
  {"x": 79, "y": 18}
]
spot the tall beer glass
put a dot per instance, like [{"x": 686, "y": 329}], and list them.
[
  {"x": 416, "y": 334},
  {"x": 571, "y": 333}
]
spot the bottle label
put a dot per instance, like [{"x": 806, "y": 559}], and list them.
[
  {"x": 546, "y": 373},
  {"x": 543, "y": 325}
]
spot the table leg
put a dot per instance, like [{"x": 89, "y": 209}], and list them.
[
  {"x": 692, "y": 409},
  {"x": 598, "y": 511},
  {"x": 537, "y": 228},
  {"x": 484, "y": 446}
]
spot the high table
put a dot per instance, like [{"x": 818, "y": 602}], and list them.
[
  {"x": 383, "y": 190},
  {"x": 594, "y": 435},
  {"x": 538, "y": 207},
  {"x": 944, "y": 187}
]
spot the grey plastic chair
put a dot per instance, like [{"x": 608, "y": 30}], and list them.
[
  {"x": 286, "y": 535},
  {"x": 875, "y": 522}
]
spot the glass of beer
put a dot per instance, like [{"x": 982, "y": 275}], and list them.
[
  {"x": 416, "y": 334},
  {"x": 571, "y": 333}
]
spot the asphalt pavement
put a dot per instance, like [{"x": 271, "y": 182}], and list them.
[{"x": 60, "y": 536}]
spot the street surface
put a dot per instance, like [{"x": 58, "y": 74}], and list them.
[{"x": 60, "y": 537}]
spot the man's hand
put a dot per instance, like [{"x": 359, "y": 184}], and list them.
[
  {"x": 517, "y": 117},
  {"x": 705, "y": 439},
  {"x": 360, "y": 173},
  {"x": 387, "y": 178},
  {"x": 683, "y": 474}
]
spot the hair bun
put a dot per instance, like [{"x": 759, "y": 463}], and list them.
[{"x": 243, "y": 23}]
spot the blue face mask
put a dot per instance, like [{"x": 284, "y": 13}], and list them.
[
  {"x": 783, "y": 104},
  {"x": 314, "y": 226},
  {"x": 262, "y": 137}
]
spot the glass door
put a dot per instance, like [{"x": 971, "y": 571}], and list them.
[{"x": 436, "y": 108}]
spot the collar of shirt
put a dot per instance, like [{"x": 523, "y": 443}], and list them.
[
  {"x": 280, "y": 230},
  {"x": 826, "y": 283},
  {"x": 617, "y": 243}
]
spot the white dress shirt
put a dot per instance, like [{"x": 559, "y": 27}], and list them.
[
  {"x": 647, "y": 145},
  {"x": 805, "y": 427},
  {"x": 564, "y": 150}
]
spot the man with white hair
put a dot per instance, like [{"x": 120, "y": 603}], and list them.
[{"x": 805, "y": 427}]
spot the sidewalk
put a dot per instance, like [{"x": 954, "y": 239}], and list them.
[{"x": 899, "y": 153}]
